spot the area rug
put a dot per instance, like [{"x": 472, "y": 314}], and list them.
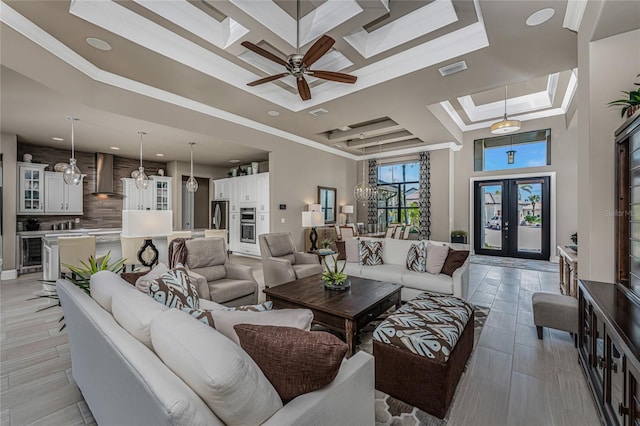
[
  {"x": 510, "y": 262},
  {"x": 393, "y": 412}
]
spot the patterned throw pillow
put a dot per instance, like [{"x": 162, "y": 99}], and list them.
[
  {"x": 204, "y": 315},
  {"x": 417, "y": 258},
  {"x": 370, "y": 253},
  {"x": 266, "y": 306},
  {"x": 175, "y": 289}
]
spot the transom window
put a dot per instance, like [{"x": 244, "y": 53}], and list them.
[
  {"x": 398, "y": 194},
  {"x": 532, "y": 149}
]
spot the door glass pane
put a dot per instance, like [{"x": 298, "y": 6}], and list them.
[
  {"x": 530, "y": 217},
  {"x": 491, "y": 211}
]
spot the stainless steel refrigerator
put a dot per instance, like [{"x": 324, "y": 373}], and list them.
[{"x": 219, "y": 215}]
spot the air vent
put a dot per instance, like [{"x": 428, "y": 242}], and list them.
[
  {"x": 318, "y": 111},
  {"x": 453, "y": 68}
]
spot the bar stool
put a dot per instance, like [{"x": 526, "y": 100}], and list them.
[
  {"x": 73, "y": 250},
  {"x": 130, "y": 248}
]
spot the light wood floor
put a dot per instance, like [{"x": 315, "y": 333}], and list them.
[{"x": 512, "y": 377}]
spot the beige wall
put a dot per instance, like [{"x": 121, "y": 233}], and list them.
[
  {"x": 9, "y": 149},
  {"x": 607, "y": 67},
  {"x": 564, "y": 147}
]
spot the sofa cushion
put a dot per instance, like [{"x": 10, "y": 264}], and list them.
[
  {"x": 142, "y": 283},
  {"x": 104, "y": 284},
  {"x": 455, "y": 259},
  {"x": 428, "y": 282},
  {"x": 351, "y": 268},
  {"x": 388, "y": 273},
  {"x": 212, "y": 273},
  {"x": 436, "y": 256},
  {"x": 280, "y": 245},
  {"x": 370, "y": 252},
  {"x": 351, "y": 248},
  {"x": 220, "y": 372},
  {"x": 417, "y": 258},
  {"x": 295, "y": 361},
  {"x": 227, "y": 289},
  {"x": 297, "y": 318},
  {"x": 203, "y": 252},
  {"x": 134, "y": 312},
  {"x": 395, "y": 251},
  {"x": 175, "y": 289},
  {"x": 307, "y": 269}
]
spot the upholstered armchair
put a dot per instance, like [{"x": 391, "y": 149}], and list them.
[
  {"x": 280, "y": 261},
  {"x": 217, "y": 279}
]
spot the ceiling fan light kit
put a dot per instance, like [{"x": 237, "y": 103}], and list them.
[
  {"x": 298, "y": 65},
  {"x": 506, "y": 125}
]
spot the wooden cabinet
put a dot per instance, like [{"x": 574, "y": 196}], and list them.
[
  {"x": 30, "y": 188},
  {"x": 160, "y": 192},
  {"x": 60, "y": 198},
  {"x": 609, "y": 343}
]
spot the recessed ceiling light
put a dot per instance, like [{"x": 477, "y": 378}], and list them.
[
  {"x": 115, "y": 148},
  {"x": 159, "y": 154},
  {"x": 540, "y": 17},
  {"x": 234, "y": 161},
  {"x": 273, "y": 113},
  {"x": 98, "y": 44},
  {"x": 57, "y": 139}
]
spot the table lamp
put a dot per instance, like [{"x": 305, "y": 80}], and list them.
[
  {"x": 312, "y": 219},
  {"x": 147, "y": 224},
  {"x": 347, "y": 210}
]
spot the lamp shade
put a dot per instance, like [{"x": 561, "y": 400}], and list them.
[
  {"x": 314, "y": 207},
  {"x": 147, "y": 223},
  {"x": 348, "y": 209},
  {"x": 312, "y": 219}
]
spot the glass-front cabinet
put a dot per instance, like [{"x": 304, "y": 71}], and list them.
[
  {"x": 161, "y": 192},
  {"x": 30, "y": 188}
]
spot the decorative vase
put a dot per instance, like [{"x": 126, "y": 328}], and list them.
[
  {"x": 254, "y": 166},
  {"x": 337, "y": 287},
  {"x": 234, "y": 172}
]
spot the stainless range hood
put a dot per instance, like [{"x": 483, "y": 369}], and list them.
[{"x": 104, "y": 174}]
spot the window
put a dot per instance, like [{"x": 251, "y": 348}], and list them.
[
  {"x": 398, "y": 192},
  {"x": 532, "y": 149}
]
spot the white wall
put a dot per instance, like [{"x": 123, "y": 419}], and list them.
[{"x": 9, "y": 149}]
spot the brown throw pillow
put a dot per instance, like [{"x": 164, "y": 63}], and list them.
[
  {"x": 454, "y": 260},
  {"x": 295, "y": 361}
]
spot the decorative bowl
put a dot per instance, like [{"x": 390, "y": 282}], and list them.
[
  {"x": 135, "y": 173},
  {"x": 338, "y": 287},
  {"x": 60, "y": 167}
]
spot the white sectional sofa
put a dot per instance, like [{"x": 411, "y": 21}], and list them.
[
  {"x": 125, "y": 382},
  {"x": 394, "y": 269}
]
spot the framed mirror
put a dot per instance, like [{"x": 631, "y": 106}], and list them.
[{"x": 327, "y": 201}]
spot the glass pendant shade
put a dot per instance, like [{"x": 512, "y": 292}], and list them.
[
  {"x": 142, "y": 181},
  {"x": 72, "y": 174},
  {"x": 511, "y": 156},
  {"x": 192, "y": 183}
]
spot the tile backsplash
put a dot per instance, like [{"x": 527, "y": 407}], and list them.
[{"x": 99, "y": 211}]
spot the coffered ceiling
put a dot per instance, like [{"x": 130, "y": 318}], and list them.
[{"x": 191, "y": 51}]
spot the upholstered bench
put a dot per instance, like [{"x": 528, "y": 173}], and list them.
[
  {"x": 421, "y": 349},
  {"x": 555, "y": 311}
]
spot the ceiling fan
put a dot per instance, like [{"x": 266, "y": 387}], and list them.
[{"x": 298, "y": 65}]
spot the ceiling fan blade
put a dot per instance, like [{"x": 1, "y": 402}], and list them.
[
  {"x": 268, "y": 79},
  {"x": 334, "y": 76},
  {"x": 264, "y": 53},
  {"x": 318, "y": 49},
  {"x": 303, "y": 89}
]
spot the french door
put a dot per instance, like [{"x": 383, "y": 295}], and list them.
[{"x": 512, "y": 218}]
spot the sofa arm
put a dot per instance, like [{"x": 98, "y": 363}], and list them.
[
  {"x": 277, "y": 271},
  {"x": 461, "y": 280},
  {"x": 348, "y": 400},
  {"x": 201, "y": 285},
  {"x": 306, "y": 257},
  {"x": 239, "y": 272}
]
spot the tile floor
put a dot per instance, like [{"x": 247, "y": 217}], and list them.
[{"x": 511, "y": 379}]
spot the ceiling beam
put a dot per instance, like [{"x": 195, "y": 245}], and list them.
[
  {"x": 386, "y": 138},
  {"x": 382, "y": 127}
]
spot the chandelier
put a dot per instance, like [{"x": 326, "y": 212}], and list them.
[{"x": 363, "y": 191}]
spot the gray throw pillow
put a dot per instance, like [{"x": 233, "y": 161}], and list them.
[{"x": 436, "y": 256}]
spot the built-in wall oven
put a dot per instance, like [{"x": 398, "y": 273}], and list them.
[{"x": 248, "y": 225}]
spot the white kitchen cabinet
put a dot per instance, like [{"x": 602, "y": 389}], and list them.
[
  {"x": 248, "y": 190},
  {"x": 262, "y": 226},
  {"x": 60, "y": 198},
  {"x": 134, "y": 198},
  {"x": 234, "y": 195},
  {"x": 160, "y": 192},
  {"x": 221, "y": 189},
  {"x": 30, "y": 188},
  {"x": 234, "y": 231},
  {"x": 262, "y": 192}
]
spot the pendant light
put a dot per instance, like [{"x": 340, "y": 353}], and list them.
[
  {"x": 363, "y": 191},
  {"x": 142, "y": 181},
  {"x": 192, "y": 183},
  {"x": 506, "y": 125},
  {"x": 511, "y": 154},
  {"x": 72, "y": 175}
]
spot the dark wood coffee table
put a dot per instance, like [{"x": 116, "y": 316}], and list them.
[{"x": 345, "y": 311}]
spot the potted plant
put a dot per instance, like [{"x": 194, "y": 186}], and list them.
[
  {"x": 326, "y": 243},
  {"x": 334, "y": 277},
  {"x": 631, "y": 105},
  {"x": 459, "y": 236}
]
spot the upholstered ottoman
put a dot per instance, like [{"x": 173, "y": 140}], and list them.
[
  {"x": 421, "y": 349},
  {"x": 555, "y": 311}
]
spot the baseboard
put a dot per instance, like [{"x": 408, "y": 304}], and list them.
[
  {"x": 11, "y": 274},
  {"x": 554, "y": 259}
]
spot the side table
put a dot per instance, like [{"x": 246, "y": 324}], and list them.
[{"x": 568, "y": 268}]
